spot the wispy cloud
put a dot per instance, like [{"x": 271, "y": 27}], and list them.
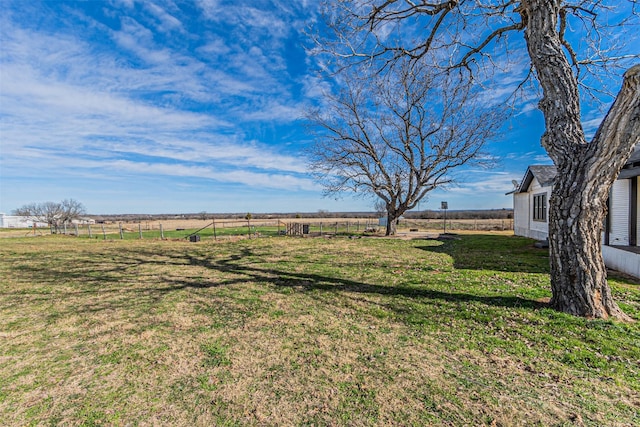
[
  {"x": 249, "y": 178},
  {"x": 592, "y": 124},
  {"x": 66, "y": 101},
  {"x": 204, "y": 95},
  {"x": 165, "y": 21}
]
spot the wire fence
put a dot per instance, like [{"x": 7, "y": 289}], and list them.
[
  {"x": 197, "y": 230},
  {"x": 458, "y": 224}
]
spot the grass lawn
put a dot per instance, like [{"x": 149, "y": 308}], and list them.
[{"x": 291, "y": 331}]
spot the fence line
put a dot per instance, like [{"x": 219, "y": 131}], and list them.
[{"x": 220, "y": 229}]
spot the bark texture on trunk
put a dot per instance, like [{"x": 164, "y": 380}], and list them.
[
  {"x": 391, "y": 225},
  {"x": 586, "y": 170}
]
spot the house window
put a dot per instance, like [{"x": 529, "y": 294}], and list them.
[{"x": 540, "y": 207}]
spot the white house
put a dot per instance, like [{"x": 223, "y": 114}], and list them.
[
  {"x": 621, "y": 246},
  {"x": 531, "y": 201}
]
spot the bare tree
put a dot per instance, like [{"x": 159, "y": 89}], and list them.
[
  {"x": 47, "y": 212},
  {"x": 399, "y": 135},
  {"x": 380, "y": 208},
  {"x": 70, "y": 210},
  {"x": 568, "y": 44},
  {"x": 52, "y": 213}
]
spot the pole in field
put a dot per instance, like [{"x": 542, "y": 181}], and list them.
[
  {"x": 444, "y": 206},
  {"x": 248, "y": 217}
]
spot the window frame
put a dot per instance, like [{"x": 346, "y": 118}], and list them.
[{"x": 539, "y": 207}]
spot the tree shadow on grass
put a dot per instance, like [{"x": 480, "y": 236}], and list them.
[
  {"x": 108, "y": 281},
  {"x": 306, "y": 282},
  {"x": 493, "y": 252}
]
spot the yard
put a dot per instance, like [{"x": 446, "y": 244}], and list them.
[{"x": 302, "y": 331}]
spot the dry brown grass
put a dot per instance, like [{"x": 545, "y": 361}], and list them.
[{"x": 302, "y": 332}]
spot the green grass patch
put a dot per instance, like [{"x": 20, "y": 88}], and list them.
[
  {"x": 288, "y": 331},
  {"x": 216, "y": 354}
]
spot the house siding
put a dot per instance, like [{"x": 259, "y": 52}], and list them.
[
  {"x": 619, "y": 213},
  {"x": 13, "y": 221},
  {"x": 521, "y": 217},
  {"x": 621, "y": 260},
  {"x": 620, "y": 224},
  {"x": 538, "y": 229},
  {"x": 637, "y": 211}
]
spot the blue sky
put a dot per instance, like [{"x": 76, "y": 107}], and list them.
[{"x": 176, "y": 107}]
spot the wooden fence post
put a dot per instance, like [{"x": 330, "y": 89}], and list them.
[
  {"x": 161, "y": 232},
  {"x": 76, "y": 226},
  {"x": 89, "y": 226},
  {"x": 215, "y": 234},
  {"x": 140, "y": 230},
  {"x": 104, "y": 233}
]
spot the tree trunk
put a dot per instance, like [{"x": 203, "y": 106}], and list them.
[
  {"x": 578, "y": 274},
  {"x": 391, "y": 225},
  {"x": 586, "y": 171}
]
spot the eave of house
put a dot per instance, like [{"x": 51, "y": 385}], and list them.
[
  {"x": 545, "y": 174},
  {"x": 632, "y": 167}
]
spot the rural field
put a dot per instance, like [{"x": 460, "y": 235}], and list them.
[
  {"x": 230, "y": 227},
  {"x": 304, "y": 331}
]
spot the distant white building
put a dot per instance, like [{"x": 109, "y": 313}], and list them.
[
  {"x": 14, "y": 221},
  {"x": 83, "y": 221}
]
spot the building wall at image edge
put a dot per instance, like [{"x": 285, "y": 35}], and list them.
[
  {"x": 620, "y": 210},
  {"x": 13, "y": 221}
]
